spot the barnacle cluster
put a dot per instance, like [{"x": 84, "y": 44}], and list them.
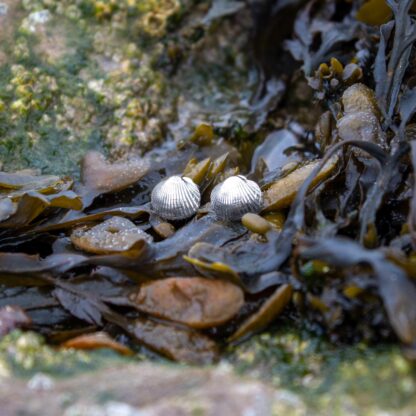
[
  {"x": 32, "y": 90},
  {"x": 36, "y": 110},
  {"x": 155, "y": 20},
  {"x": 108, "y": 75}
]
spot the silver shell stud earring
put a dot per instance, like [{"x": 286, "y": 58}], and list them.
[
  {"x": 234, "y": 197},
  {"x": 175, "y": 198}
]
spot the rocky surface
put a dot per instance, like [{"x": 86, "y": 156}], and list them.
[
  {"x": 143, "y": 389},
  {"x": 116, "y": 76},
  {"x": 271, "y": 374}
]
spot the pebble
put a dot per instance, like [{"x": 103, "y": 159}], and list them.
[
  {"x": 4, "y": 8},
  {"x": 40, "y": 382}
]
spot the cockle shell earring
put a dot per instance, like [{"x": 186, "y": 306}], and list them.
[
  {"x": 175, "y": 198},
  {"x": 234, "y": 197}
]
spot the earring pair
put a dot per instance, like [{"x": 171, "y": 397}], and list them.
[{"x": 178, "y": 198}]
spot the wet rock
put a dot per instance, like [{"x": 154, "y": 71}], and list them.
[{"x": 77, "y": 79}]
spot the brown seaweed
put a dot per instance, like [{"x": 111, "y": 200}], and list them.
[
  {"x": 175, "y": 342},
  {"x": 337, "y": 230},
  {"x": 193, "y": 301},
  {"x": 13, "y": 317},
  {"x": 267, "y": 313},
  {"x": 96, "y": 340}
]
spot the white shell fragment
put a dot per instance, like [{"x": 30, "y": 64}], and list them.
[
  {"x": 176, "y": 198},
  {"x": 234, "y": 197}
]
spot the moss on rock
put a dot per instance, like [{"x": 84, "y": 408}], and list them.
[
  {"x": 23, "y": 354},
  {"x": 343, "y": 380},
  {"x": 117, "y": 76}
]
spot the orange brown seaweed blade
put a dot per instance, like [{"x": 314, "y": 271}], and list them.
[
  {"x": 173, "y": 341},
  {"x": 15, "y": 181},
  {"x": 193, "y": 301},
  {"x": 281, "y": 193},
  {"x": 269, "y": 311},
  {"x": 102, "y": 176},
  {"x": 114, "y": 235},
  {"x": 96, "y": 340}
]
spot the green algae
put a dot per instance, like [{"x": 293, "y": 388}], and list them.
[
  {"x": 115, "y": 76},
  {"x": 329, "y": 379},
  {"x": 324, "y": 379},
  {"x": 23, "y": 354},
  {"x": 39, "y": 99}
]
